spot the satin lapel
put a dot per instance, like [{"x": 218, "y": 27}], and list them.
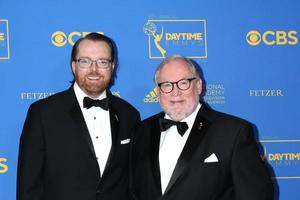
[
  {"x": 154, "y": 148},
  {"x": 199, "y": 128},
  {"x": 114, "y": 126},
  {"x": 77, "y": 116}
]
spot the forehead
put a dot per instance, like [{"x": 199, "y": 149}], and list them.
[
  {"x": 89, "y": 47},
  {"x": 175, "y": 70}
]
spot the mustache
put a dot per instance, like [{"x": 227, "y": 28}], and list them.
[{"x": 94, "y": 74}]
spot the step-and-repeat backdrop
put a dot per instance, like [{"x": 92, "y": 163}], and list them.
[{"x": 248, "y": 50}]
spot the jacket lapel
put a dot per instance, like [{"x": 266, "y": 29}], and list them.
[
  {"x": 198, "y": 130},
  {"x": 155, "y": 141},
  {"x": 77, "y": 116},
  {"x": 114, "y": 124}
]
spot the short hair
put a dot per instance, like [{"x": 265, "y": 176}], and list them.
[
  {"x": 96, "y": 37},
  {"x": 168, "y": 59}
]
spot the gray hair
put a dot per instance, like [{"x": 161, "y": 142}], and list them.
[{"x": 172, "y": 58}]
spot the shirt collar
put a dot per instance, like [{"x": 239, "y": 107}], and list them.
[
  {"x": 80, "y": 94},
  {"x": 191, "y": 118}
]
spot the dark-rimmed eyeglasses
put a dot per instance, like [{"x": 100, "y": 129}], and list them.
[
  {"x": 101, "y": 63},
  {"x": 182, "y": 84}
]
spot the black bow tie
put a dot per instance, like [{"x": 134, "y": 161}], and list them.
[
  {"x": 88, "y": 102},
  {"x": 167, "y": 123}
]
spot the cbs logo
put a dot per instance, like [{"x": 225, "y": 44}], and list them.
[
  {"x": 60, "y": 39},
  {"x": 254, "y": 38}
]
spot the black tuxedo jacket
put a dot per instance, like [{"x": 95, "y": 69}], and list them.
[
  {"x": 238, "y": 173},
  {"x": 56, "y": 155}
]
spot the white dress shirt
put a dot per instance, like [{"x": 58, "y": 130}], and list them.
[
  {"x": 171, "y": 146},
  {"x": 98, "y": 123}
]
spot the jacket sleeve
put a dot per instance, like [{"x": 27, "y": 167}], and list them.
[
  {"x": 251, "y": 179},
  {"x": 31, "y": 158}
]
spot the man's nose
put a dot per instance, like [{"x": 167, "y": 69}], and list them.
[
  {"x": 94, "y": 66},
  {"x": 176, "y": 90}
]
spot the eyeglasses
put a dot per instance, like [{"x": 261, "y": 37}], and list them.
[
  {"x": 101, "y": 63},
  {"x": 182, "y": 84}
]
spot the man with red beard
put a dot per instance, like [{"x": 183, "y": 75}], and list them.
[
  {"x": 192, "y": 152},
  {"x": 75, "y": 144}
]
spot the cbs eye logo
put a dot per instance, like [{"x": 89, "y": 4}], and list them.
[
  {"x": 60, "y": 39},
  {"x": 255, "y": 38}
]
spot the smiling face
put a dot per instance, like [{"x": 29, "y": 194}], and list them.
[
  {"x": 178, "y": 104},
  {"x": 93, "y": 80}
]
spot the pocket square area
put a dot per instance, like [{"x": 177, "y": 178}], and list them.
[
  {"x": 126, "y": 141},
  {"x": 211, "y": 158}
]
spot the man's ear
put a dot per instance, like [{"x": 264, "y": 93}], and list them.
[
  {"x": 157, "y": 92},
  {"x": 113, "y": 66},
  {"x": 199, "y": 86},
  {"x": 73, "y": 66}
]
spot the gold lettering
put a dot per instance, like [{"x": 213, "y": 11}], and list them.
[
  {"x": 292, "y": 36},
  {"x": 3, "y": 167},
  {"x": 70, "y": 37},
  {"x": 284, "y": 156},
  {"x": 183, "y": 36},
  {"x": 1, "y": 36},
  {"x": 281, "y": 38},
  {"x": 265, "y": 35}
]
